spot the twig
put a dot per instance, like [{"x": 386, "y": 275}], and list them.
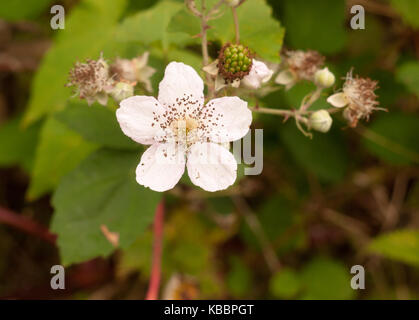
[
  {"x": 236, "y": 24},
  {"x": 251, "y": 219},
  {"x": 215, "y": 8},
  {"x": 313, "y": 98},
  {"x": 204, "y": 46},
  {"x": 153, "y": 289},
  {"x": 25, "y": 224},
  {"x": 278, "y": 112}
]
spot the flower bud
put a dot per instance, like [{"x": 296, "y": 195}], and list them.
[
  {"x": 122, "y": 90},
  {"x": 324, "y": 78},
  {"x": 320, "y": 121}
]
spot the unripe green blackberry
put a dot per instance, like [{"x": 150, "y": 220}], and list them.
[{"x": 234, "y": 62}]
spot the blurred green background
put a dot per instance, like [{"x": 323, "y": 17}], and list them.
[{"x": 320, "y": 206}]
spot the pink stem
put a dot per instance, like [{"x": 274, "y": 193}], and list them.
[{"x": 153, "y": 288}]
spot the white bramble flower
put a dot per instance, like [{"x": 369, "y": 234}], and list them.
[
  {"x": 134, "y": 70},
  {"x": 320, "y": 121},
  {"x": 299, "y": 65},
  {"x": 358, "y": 97},
  {"x": 91, "y": 80},
  {"x": 182, "y": 131}
]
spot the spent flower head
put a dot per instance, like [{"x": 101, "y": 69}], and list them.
[
  {"x": 133, "y": 70},
  {"x": 299, "y": 65},
  {"x": 91, "y": 80},
  {"x": 358, "y": 97}
]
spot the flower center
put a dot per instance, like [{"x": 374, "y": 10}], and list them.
[{"x": 184, "y": 130}]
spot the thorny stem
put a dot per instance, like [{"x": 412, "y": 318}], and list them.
[
  {"x": 153, "y": 289},
  {"x": 236, "y": 24},
  {"x": 25, "y": 224}
]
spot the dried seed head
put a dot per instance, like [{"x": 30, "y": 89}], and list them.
[
  {"x": 303, "y": 64},
  {"x": 234, "y": 62},
  {"x": 134, "y": 70},
  {"x": 90, "y": 79},
  {"x": 362, "y": 100},
  {"x": 123, "y": 69}
]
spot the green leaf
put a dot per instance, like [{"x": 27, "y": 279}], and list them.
[
  {"x": 239, "y": 278},
  {"x": 89, "y": 29},
  {"x": 285, "y": 284},
  {"x": 408, "y": 74},
  {"x": 101, "y": 191},
  {"x": 17, "y": 144},
  {"x": 183, "y": 21},
  {"x": 22, "y": 9},
  {"x": 96, "y": 124},
  {"x": 324, "y": 155},
  {"x": 276, "y": 216},
  {"x": 150, "y": 26},
  {"x": 258, "y": 29},
  {"x": 409, "y": 10},
  {"x": 316, "y": 25},
  {"x": 400, "y": 245},
  {"x": 393, "y": 137},
  {"x": 59, "y": 151},
  {"x": 324, "y": 278}
]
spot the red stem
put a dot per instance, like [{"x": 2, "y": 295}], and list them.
[
  {"x": 25, "y": 224},
  {"x": 153, "y": 289}
]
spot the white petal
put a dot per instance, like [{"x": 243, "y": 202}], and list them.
[
  {"x": 338, "y": 100},
  {"x": 225, "y": 119},
  {"x": 142, "y": 60},
  {"x": 220, "y": 83},
  {"x": 212, "y": 68},
  {"x": 161, "y": 166},
  {"x": 285, "y": 78},
  {"x": 181, "y": 88},
  {"x": 259, "y": 74},
  {"x": 235, "y": 83},
  {"x": 136, "y": 116},
  {"x": 211, "y": 166}
]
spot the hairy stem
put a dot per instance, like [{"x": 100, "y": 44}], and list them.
[
  {"x": 153, "y": 289},
  {"x": 204, "y": 46},
  {"x": 277, "y": 112},
  {"x": 313, "y": 98},
  {"x": 236, "y": 24}
]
